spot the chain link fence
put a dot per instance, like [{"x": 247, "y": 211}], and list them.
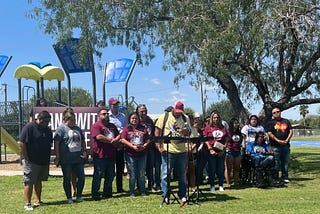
[{"x": 306, "y": 132}]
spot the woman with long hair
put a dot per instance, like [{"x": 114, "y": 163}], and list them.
[
  {"x": 233, "y": 152},
  {"x": 216, "y": 147},
  {"x": 135, "y": 137},
  {"x": 70, "y": 148}
]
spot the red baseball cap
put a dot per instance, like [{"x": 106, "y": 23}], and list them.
[
  {"x": 179, "y": 107},
  {"x": 113, "y": 101}
]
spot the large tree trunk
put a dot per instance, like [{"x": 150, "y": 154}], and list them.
[{"x": 229, "y": 86}]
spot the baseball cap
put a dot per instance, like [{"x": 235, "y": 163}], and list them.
[
  {"x": 179, "y": 107},
  {"x": 196, "y": 115},
  {"x": 113, "y": 101}
]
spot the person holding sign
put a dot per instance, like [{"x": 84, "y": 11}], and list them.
[
  {"x": 216, "y": 147},
  {"x": 136, "y": 139}
]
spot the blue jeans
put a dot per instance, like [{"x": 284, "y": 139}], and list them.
[
  {"x": 153, "y": 168},
  {"x": 216, "y": 166},
  {"x": 281, "y": 157},
  {"x": 136, "y": 171},
  {"x": 149, "y": 167},
  {"x": 67, "y": 170},
  {"x": 179, "y": 162},
  {"x": 103, "y": 168},
  {"x": 202, "y": 160},
  {"x": 157, "y": 168},
  {"x": 264, "y": 162}
]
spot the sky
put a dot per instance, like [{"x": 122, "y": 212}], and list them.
[{"x": 21, "y": 38}]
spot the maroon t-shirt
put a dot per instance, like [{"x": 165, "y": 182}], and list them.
[
  {"x": 137, "y": 136},
  {"x": 219, "y": 134},
  {"x": 101, "y": 149},
  {"x": 149, "y": 125}
]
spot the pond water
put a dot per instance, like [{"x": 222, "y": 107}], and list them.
[{"x": 305, "y": 143}]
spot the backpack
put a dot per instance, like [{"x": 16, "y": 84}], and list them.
[{"x": 166, "y": 119}]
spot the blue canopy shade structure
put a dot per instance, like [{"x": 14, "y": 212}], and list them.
[
  {"x": 4, "y": 61},
  {"x": 70, "y": 62},
  {"x": 69, "y": 58},
  {"x": 118, "y": 70}
]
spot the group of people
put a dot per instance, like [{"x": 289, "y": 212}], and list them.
[{"x": 175, "y": 142}]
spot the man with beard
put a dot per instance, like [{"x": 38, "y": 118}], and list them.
[
  {"x": 176, "y": 125},
  {"x": 105, "y": 139}
]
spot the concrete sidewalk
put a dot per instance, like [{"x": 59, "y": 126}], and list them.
[
  {"x": 12, "y": 167},
  {"x": 57, "y": 172}
]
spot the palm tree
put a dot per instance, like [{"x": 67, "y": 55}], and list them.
[{"x": 304, "y": 110}]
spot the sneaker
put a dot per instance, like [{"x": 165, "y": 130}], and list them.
[
  {"x": 132, "y": 195},
  {"x": 143, "y": 194},
  {"x": 212, "y": 189},
  {"x": 39, "y": 203},
  {"x": 70, "y": 201},
  {"x": 28, "y": 207},
  {"x": 183, "y": 201},
  {"x": 221, "y": 188},
  {"x": 166, "y": 200},
  {"x": 286, "y": 180},
  {"x": 79, "y": 199}
]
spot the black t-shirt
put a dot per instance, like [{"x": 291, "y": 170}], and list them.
[
  {"x": 279, "y": 128},
  {"x": 38, "y": 142}
]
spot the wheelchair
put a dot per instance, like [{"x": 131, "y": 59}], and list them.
[
  {"x": 259, "y": 174},
  {"x": 247, "y": 174}
]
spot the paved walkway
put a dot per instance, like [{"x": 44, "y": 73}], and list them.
[
  {"x": 57, "y": 172},
  {"x": 12, "y": 167}
]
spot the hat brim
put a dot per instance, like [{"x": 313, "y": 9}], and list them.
[
  {"x": 178, "y": 110},
  {"x": 113, "y": 103}
]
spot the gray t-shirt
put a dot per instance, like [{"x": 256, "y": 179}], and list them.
[{"x": 70, "y": 139}]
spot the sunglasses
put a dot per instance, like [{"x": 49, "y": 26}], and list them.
[
  {"x": 105, "y": 113},
  {"x": 275, "y": 112}
]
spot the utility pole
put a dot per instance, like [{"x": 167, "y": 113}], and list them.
[{"x": 5, "y": 97}]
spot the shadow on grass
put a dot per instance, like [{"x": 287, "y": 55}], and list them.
[{"x": 305, "y": 163}]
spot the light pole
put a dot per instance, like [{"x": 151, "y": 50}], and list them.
[{"x": 5, "y": 97}]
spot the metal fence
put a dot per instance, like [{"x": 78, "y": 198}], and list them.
[{"x": 306, "y": 132}]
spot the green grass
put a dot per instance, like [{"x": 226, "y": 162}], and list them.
[
  {"x": 300, "y": 196},
  {"x": 307, "y": 138}
]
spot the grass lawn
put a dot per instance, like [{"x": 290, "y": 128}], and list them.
[
  {"x": 299, "y": 196},
  {"x": 306, "y": 138}
]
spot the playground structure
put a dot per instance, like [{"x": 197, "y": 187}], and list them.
[{"x": 15, "y": 114}]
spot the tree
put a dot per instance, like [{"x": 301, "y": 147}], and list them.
[
  {"x": 304, "y": 110},
  {"x": 256, "y": 51},
  {"x": 225, "y": 110},
  {"x": 79, "y": 96}
]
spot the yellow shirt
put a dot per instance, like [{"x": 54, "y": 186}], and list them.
[{"x": 175, "y": 146}]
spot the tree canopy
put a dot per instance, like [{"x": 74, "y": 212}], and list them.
[
  {"x": 79, "y": 96},
  {"x": 254, "y": 50}
]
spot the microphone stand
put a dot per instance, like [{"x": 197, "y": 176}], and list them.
[
  {"x": 166, "y": 197},
  {"x": 198, "y": 191}
]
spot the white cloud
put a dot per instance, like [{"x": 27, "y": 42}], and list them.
[
  {"x": 178, "y": 94},
  {"x": 172, "y": 100},
  {"x": 154, "y": 99},
  {"x": 155, "y": 81}
]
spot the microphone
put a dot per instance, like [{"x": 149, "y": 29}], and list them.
[
  {"x": 187, "y": 126},
  {"x": 200, "y": 147},
  {"x": 172, "y": 131}
]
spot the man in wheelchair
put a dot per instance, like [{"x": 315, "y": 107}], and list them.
[{"x": 262, "y": 157}]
